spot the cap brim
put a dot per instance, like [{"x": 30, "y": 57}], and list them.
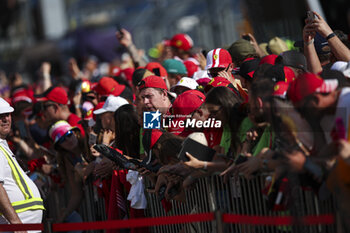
[
  {"x": 41, "y": 99},
  {"x": 174, "y": 87},
  {"x": 6, "y": 109},
  {"x": 99, "y": 111},
  {"x": 172, "y": 94}
]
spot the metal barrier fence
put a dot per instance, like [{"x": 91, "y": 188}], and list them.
[{"x": 238, "y": 196}]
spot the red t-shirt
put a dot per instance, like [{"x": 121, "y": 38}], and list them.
[{"x": 213, "y": 136}]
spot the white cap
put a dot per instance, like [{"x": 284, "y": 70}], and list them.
[
  {"x": 199, "y": 137},
  {"x": 112, "y": 104},
  {"x": 186, "y": 82},
  {"x": 5, "y": 106},
  {"x": 200, "y": 74},
  {"x": 343, "y": 67}
]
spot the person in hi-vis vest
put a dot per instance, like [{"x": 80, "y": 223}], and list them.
[{"x": 20, "y": 200}]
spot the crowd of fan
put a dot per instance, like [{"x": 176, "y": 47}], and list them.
[{"x": 268, "y": 108}]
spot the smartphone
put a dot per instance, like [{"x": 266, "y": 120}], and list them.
[
  {"x": 246, "y": 37},
  {"x": 92, "y": 139},
  {"x": 311, "y": 16},
  {"x": 119, "y": 29},
  {"x": 241, "y": 159}
]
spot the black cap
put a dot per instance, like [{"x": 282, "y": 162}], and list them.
[{"x": 293, "y": 59}]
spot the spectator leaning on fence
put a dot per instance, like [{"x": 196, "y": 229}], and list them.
[{"x": 20, "y": 200}]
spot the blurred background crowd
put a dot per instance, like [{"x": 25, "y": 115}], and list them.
[{"x": 82, "y": 74}]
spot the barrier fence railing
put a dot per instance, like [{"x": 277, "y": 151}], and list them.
[
  {"x": 240, "y": 196},
  {"x": 214, "y": 206}
]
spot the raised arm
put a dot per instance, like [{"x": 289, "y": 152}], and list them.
[
  {"x": 313, "y": 62},
  {"x": 339, "y": 50},
  {"x": 124, "y": 37}
]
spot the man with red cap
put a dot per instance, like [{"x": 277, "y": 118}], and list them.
[
  {"x": 55, "y": 107},
  {"x": 326, "y": 106},
  {"x": 154, "y": 94},
  {"x": 219, "y": 64},
  {"x": 187, "y": 104}
]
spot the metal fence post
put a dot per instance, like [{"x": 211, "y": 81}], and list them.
[
  {"x": 219, "y": 223},
  {"x": 48, "y": 225}
]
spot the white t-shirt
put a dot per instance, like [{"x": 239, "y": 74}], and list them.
[{"x": 10, "y": 185}]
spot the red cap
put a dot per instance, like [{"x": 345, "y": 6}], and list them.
[
  {"x": 188, "y": 102},
  {"x": 191, "y": 68},
  {"x": 127, "y": 73},
  {"x": 55, "y": 94},
  {"x": 154, "y": 67},
  {"x": 108, "y": 86},
  {"x": 152, "y": 81},
  {"x": 218, "y": 58},
  {"x": 182, "y": 41},
  {"x": 22, "y": 94},
  {"x": 115, "y": 71},
  {"x": 156, "y": 133},
  {"x": 150, "y": 138},
  {"x": 288, "y": 74},
  {"x": 307, "y": 84},
  {"x": 98, "y": 106},
  {"x": 217, "y": 82},
  {"x": 269, "y": 59},
  {"x": 280, "y": 89}
]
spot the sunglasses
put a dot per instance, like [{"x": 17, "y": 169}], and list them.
[{"x": 66, "y": 135}]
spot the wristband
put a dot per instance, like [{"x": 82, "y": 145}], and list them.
[
  {"x": 330, "y": 36},
  {"x": 205, "y": 165},
  {"x": 310, "y": 42}
]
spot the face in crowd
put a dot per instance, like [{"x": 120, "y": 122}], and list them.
[
  {"x": 5, "y": 124},
  {"x": 154, "y": 99},
  {"x": 69, "y": 141}
]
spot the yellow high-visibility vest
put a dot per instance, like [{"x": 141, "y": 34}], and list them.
[{"x": 30, "y": 202}]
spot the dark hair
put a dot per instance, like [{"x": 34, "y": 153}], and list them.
[
  {"x": 223, "y": 97},
  {"x": 168, "y": 145},
  {"x": 82, "y": 144},
  {"x": 137, "y": 76},
  {"x": 262, "y": 87},
  {"x": 233, "y": 110},
  {"x": 127, "y": 130}
]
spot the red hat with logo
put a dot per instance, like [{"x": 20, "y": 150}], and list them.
[
  {"x": 152, "y": 81},
  {"x": 217, "y": 82},
  {"x": 307, "y": 84},
  {"x": 182, "y": 41},
  {"x": 157, "y": 69},
  {"x": 288, "y": 74},
  {"x": 218, "y": 58},
  {"x": 108, "y": 86},
  {"x": 54, "y": 94},
  {"x": 280, "y": 89}
]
